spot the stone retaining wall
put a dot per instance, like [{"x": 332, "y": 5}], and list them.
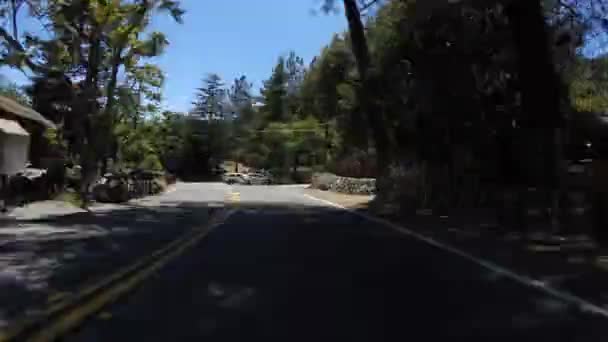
[{"x": 347, "y": 185}]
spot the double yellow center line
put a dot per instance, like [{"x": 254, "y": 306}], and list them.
[
  {"x": 61, "y": 318},
  {"x": 233, "y": 197}
]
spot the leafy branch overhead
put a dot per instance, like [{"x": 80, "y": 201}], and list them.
[{"x": 95, "y": 54}]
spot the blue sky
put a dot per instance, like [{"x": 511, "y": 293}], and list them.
[
  {"x": 232, "y": 38},
  {"x": 235, "y": 37}
]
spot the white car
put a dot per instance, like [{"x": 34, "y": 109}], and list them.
[{"x": 259, "y": 178}]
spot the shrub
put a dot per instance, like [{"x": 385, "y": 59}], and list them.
[{"x": 151, "y": 162}]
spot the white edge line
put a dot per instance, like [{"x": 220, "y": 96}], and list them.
[{"x": 522, "y": 279}]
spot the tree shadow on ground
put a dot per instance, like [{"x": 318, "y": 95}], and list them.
[
  {"x": 270, "y": 269},
  {"x": 572, "y": 264},
  {"x": 45, "y": 260},
  {"x": 301, "y": 273}
]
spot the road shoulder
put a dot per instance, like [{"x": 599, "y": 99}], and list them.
[
  {"x": 357, "y": 202},
  {"x": 570, "y": 275}
]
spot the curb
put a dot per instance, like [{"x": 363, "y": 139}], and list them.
[
  {"x": 525, "y": 280},
  {"x": 57, "y": 320}
]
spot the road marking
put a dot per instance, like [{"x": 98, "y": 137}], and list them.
[
  {"x": 310, "y": 219},
  {"x": 104, "y": 316},
  {"x": 233, "y": 197},
  {"x": 583, "y": 304},
  {"x": 59, "y": 319},
  {"x": 57, "y": 296}
]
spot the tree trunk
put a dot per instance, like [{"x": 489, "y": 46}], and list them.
[
  {"x": 88, "y": 135},
  {"x": 14, "y": 13},
  {"x": 540, "y": 89},
  {"x": 368, "y": 85},
  {"x": 112, "y": 86},
  {"x": 109, "y": 116},
  {"x": 295, "y": 166}
]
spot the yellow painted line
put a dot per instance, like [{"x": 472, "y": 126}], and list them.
[
  {"x": 57, "y": 296},
  {"x": 233, "y": 197},
  {"x": 310, "y": 219},
  {"x": 105, "y": 315},
  {"x": 76, "y": 316},
  {"x": 70, "y": 313}
]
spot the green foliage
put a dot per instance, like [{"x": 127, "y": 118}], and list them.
[
  {"x": 330, "y": 93},
  {"x": 70, "y": 197},
  {"x": 52, "y": 137},
  {"x": 589, "y": 85},
  {"x": 275, "y": 93},
  {"x": 210, "y": 99},
  {"x": 90, "y": 73},
  {"x": 137, "y": 147},
  {"x": 240, "y": 95},
  {"x": 13, "y": 91},
  {"x": 151, "y": 162},
  {"x": 436, "y": 75}
]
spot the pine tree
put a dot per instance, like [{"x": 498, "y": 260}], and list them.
[
  {"x": 295, "y": 72},
  {"x": 210, "y": 99},
  {"x": 274, "y": 93},
  {"x": 240, "y": 96}
]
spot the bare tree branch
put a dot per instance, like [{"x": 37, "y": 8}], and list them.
[
  {"x": 366, "y": 5},
  {"x": 15, "y": 5},
  {"x": 16, "y": 46}
]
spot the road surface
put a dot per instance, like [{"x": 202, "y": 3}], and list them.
[{"x": 284, "y": 267}]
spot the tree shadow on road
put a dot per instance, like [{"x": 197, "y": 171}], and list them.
[
  {"x": 273, "y": 268},
  {"x": 572, "y": 265},
  {"x": 47, "y": 260},
  {"x": 299, "y": 273}
]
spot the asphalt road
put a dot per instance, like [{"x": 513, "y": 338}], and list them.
[{"x": 286, "y": 268}]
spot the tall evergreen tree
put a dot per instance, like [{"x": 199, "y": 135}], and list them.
[
  {"x": 240, "y": 95},
  {"x": 275, "y": 92},
  {"x": 210, "y": 99},
  {"x": 295, "y": 69}
]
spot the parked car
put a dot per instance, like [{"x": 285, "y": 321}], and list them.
[
  {"x": 235, "y": 178},
  {"x": 111, "y": 188},
  {"x": 259, "y": 178}
]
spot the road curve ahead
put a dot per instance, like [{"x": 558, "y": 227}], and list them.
[{"x": 286, "y": 268}]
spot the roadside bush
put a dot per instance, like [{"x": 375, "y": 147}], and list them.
[
  {"x": 71, "y": 197},
  {"x": 151, "y": 162},
  {"x": 358, "y": 164},
  {"x": 303, "y": 176}
]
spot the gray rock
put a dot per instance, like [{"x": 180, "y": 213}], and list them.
[{"x": 347, "y": 185}]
